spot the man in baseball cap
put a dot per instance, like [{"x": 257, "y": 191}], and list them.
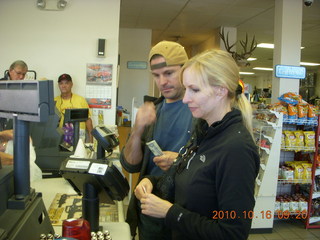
[
  {"x": 173, "y": 53},
  {"x": 167, "y": 120},
  {"x": 66, "y": 100}
]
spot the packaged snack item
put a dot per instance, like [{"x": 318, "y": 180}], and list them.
[
  {"x": 284, "y": 205},
  {"x": 299, "y": 140},
  {"x": 292, "y": 113},
  {"x": 290, "y": 98},
  {"x": 312, "y": 113},
  {"x": 288, "y": 173},
  {"x": 283, "y": 142},
  {"x": 302, "y": 113},
  {"x": 293, "y": 205},
  {"x": 277, "y": 206},
  {"x": 290, "y": 140},
  {"x": 307, "y": 171},
  {"x": 309, "y": 140},
  {"x": 298, "y": 171},
  {"x": 303, "y": 205},
  {"x": 284, "y": 110}
]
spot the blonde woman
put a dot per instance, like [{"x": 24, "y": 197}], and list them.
[{"x": 215, "y": 172}]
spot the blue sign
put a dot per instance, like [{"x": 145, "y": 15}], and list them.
[{"x": 285, "y": 71}]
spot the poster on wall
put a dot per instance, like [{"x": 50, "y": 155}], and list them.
[
  {"x": 98, "y": 96},
  {"x": 99, "y": 74},
  {"x": 99, "y": 85}
]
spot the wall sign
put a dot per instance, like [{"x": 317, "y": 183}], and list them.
[
  {"x": 137, "y": 65},
  {"x": 285, "y": 71}
]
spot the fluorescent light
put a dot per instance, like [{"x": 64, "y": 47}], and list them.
[
  {"x": 246, "y": 73},
  {"x": 265, "y": 45},
  {"x": 251, "y": 59},
  {"x": 268, "y": 45},
  {"x": 263, "y": 68},
  {"x": 309, "y": 64}
]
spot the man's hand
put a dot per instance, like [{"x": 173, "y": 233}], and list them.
[
  {"x": 154, "y": 206},
  {"x": 145, "y": 186},
  {"x": 165, "y": 161},
  {"x": 146, "y": 115}
]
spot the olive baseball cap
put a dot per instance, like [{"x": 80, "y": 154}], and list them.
[{"x": 173, "y": 53}]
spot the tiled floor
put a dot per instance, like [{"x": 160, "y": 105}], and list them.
[{"x": 288, "y": 229}]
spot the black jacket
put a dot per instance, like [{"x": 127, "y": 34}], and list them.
[{"x": 217, "y": 183}]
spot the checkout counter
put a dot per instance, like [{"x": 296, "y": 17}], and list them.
[
  {"x": 23, "y": 206},
  {"x": 50, "y": 186}
]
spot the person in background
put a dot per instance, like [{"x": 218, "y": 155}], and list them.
[
  {"x": 166, "y": 120},
  {"x": 17, "y": 71},
  {"x": 69, "y": 100},
  {"x": 215, "y": 177}
]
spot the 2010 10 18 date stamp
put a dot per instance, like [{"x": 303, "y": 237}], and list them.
[{"x": 268, "y": 214}]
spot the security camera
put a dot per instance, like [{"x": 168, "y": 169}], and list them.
[{"x": 308, "y": 3}]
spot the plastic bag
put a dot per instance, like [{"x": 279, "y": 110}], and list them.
[{"x": 35, "y": 171}]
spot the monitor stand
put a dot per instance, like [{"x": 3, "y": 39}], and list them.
[{"x": 90, "y": 207}]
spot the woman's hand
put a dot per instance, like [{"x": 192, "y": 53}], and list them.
[
  {"x": 166, "y": 160},
  {"x": 145, "y": 186},
  {"x": 154, "y": 206}
]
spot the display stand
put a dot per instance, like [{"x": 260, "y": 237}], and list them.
[
  {"x": 299, "y": 208},
  {"x": 313, "y": 220},
  {"x": 267, "y": 131}
]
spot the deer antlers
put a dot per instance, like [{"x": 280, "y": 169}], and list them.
[{"x": 241, "y": 59}]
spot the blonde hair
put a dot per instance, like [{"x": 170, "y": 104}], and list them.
[{"x": 217, "y": 68}]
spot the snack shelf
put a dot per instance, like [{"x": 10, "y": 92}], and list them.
[
  {"x": 267, "y": 127},
  {"x": 297, "y": 153},
  {"x": 301, "y": 122},
  {"x": 299, "y": 149},
  {"x": 293, "y": 181},
  {"x": 313, "y": 218}
]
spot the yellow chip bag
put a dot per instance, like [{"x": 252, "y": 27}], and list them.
[{"x": 309, "y": 140}]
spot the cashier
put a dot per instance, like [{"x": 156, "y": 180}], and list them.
[{"x": 69, "y": 100}]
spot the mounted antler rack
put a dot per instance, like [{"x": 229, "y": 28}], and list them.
[{"x": 240, "y": 58}]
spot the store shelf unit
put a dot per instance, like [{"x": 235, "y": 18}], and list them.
[
  {"x": 267, "y": 132},
  {"x": 295, "y": 194},
  {"x": 313, "y": 220}
]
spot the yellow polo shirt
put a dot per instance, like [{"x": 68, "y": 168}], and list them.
[{"x": 75, "y": 101}]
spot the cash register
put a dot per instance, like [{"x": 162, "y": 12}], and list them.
[
  {"x": 97, "y": 180},
  {"x": 22, "y": 211}
]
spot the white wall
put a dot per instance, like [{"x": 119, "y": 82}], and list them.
[
  {"x": 56, "y": 42},
  {"x": 134, "y": 45}
]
